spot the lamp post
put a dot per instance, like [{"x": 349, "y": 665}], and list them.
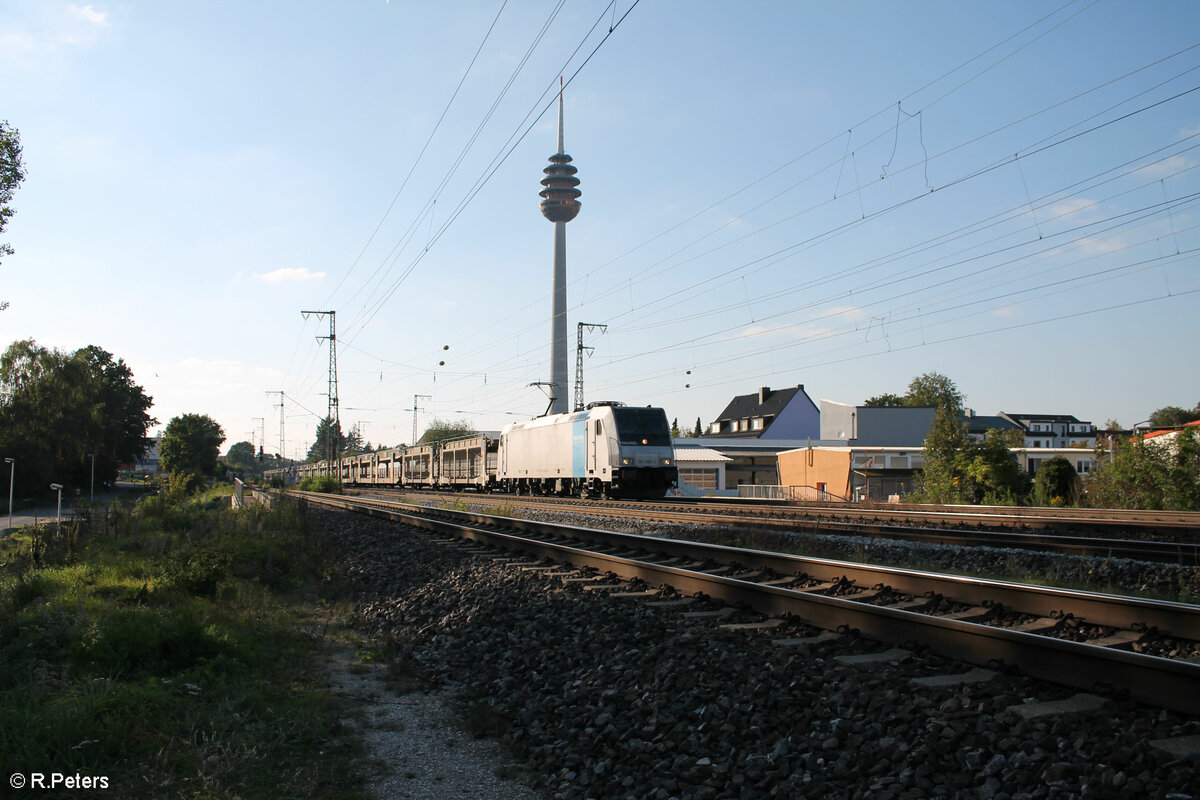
[
  {"x": 92, "y": 496},
  {"x": 12, "y": 475},
  {"x": 58, "y": 516}
]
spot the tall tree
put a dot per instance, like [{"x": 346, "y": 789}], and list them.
[
  {"x": 697, "y": 431},
  {"x": 190, "y": 447},
  {"x": 329, "y": 440},
  {"x": 242, "y": 457},
  {"x": 63, "y": 413},
  {"x": 885, "y": 400},
  {"x": 353, "y": 444},
  {"x": 12, "y": 172},
  {"x": 1173, "y": 416},
  {"x": 119, "y": 409},
  {"x": 934, "y": 389},
  {"x": 943, "y": 477}
]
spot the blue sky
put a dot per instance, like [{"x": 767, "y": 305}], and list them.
[{"x": 840, "y": 195}]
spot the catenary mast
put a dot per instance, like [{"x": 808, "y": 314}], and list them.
[{"x": 560, "y": 205}]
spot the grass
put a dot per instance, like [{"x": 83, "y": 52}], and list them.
[{"x": 175, "y": 648}]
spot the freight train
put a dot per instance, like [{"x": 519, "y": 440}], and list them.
[{"x": 607, "y": 450}]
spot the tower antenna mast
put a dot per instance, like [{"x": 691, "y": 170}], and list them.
[{"x": 560, "y": 205}]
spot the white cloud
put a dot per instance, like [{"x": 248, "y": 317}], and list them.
[
  {"x": 792, "y": 330},
  {"x": 91, "y": 15},
  {"x": 39, "y": 40},
  {"x": 290, "y": 274},
  {"x": 1167, "y": 167}
]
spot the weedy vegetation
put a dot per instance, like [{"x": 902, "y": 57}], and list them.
[{"x": 175, "y": 647}]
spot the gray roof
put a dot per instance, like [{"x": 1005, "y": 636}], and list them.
[{"x": 978, "y": 424}]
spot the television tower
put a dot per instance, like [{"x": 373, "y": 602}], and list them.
[{"x": 560, "y": 205}]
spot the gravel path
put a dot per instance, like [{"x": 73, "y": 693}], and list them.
[
  {"x": 417, "y": 742},
  {"x": 603, "y": 698}
]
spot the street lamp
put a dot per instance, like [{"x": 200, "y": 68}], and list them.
[
  {"x": 92, "y": 496},
  {"x": 58, "y": 517},
  {"x": 12, "y": 476}
]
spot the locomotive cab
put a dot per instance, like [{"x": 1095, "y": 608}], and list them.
[{"x": 644, "y": 462}]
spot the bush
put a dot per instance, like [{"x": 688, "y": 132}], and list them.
[
  {"x": 330, "y": 484},
  {"x": 1149, "y": 475},
  {"x": 1056, "y": 483}
]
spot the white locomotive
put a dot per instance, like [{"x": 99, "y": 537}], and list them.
[{"x": 606, "y": 450}]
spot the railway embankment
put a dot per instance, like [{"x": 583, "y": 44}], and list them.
[{"x": 596, "y": 696}]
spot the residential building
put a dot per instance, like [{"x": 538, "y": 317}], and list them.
[
  {"x": 978, "y": 426},
  {"x": 769, "y": 414},
  {"x": 1054, "y": 430},
  {"x": 875, "y": 426}
]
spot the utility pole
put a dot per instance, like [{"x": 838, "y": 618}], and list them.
[
  {"x": 417, "y": 397},
  {"x": 282, "y": 452},
  {"x": 579, "y": 351},
  {"x": 332, "y": 415}
]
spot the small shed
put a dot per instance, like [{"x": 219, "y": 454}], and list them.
[{"x": 701, "y": 469}]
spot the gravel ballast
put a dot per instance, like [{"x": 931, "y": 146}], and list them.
[{"x": 597, "y": 697}]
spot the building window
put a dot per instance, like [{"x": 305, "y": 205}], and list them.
[
  {"x": 1083, "y": 466},
  {"x": 714, "y": 428},
  {"x": 756, "y": 423}
]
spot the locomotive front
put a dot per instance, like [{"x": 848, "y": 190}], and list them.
[{"x": 644, "y": 464}]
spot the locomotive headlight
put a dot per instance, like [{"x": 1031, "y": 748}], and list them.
[
  {"x": 667, "y": 462},
  {"x": 626, "y": 461},
  {"x": 645, "y": 441}
]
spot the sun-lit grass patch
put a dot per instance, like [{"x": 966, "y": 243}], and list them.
[{"x": 176, "y": 651}]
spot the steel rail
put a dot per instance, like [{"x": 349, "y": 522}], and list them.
[
  {"x": 1182, "y": 553},
  {"x": 1155, "y": 680}
]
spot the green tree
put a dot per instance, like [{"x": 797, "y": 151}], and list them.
[
  {"x": 353, "y": 444},
  {"x": 934, "y": 389},
  {"x": 119, "y": 411},
  {"x": 675, "y": 434},
  {"x": 12, "y": 172},
  {"x": 943, "y": 477},
  {"x": 698, "y": 430},
  {"x": 189, "y": 449},
  {"x": 242, "y": 457},
  {"x": 994, "y": 473},
  {"x": 60, "y": 413},
  {"x": 1056, "y": 483},
  {"x": 885, "y": 400},
  {"x": 440, "y": 430},
  {"x": 1173, "y": 416},
  {"x": 329, "y": 441},
  {"x": 1161, "y": 473}
]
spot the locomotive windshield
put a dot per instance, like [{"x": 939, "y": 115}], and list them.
[{"x": 637, "y": 426}]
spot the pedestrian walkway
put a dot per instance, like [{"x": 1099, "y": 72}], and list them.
[{"x": 47, "y": 513}]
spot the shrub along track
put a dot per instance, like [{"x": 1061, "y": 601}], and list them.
[{"x": 1080, "y": 638}]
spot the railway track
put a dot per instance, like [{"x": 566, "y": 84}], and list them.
[
  {"x": 1183, "y": 550},
  {"x": 1077, "y": 638}
]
